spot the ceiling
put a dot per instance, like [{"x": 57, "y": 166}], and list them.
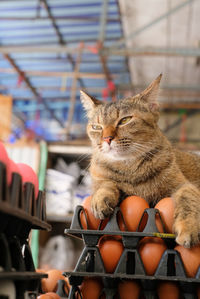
[{"x": 50, "y": 49}]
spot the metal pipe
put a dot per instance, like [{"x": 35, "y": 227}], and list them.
[
  {"x": 153, "y": 51},
  {"x": 103, "y": 21}
]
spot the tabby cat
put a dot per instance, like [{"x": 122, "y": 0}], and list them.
[{"x": 131, "y": 155}]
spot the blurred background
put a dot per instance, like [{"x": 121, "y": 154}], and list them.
[{"x": 50, "y": 49}]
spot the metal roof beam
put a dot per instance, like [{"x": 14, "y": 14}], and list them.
[
  {"x": 152, "y": 51},
  {"x": 103, "y": 59},
  {"x": 30, "y": 86},
  {"x": 51, "y": 17},
  {"x": 59, "y": 35}
]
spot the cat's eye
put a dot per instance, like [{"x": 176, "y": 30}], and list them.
[
  {"x": 96, "y": 127},
  {"x": 124, "y": 120}
]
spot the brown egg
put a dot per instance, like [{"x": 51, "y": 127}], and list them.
[
  {"x": 50, "y": 284},
  {"x": 93, "y": 222},
  {"x": 40, "y": 270},
  {"x": 111, "y": 250},
  {"x": 129, "y": 289},
  {"x": 132, "y": 209},
  {"x": 190, "y": 258},
  {"x": 90, "y": 288},
  {"x": 168, "y": 290},
  {"x": 151, "y": 250},
  {"x": 166, "y": 209},
  {"x": 49, "y": 295}
]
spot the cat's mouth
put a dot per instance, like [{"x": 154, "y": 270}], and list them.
[{"x": 113, "y": 150}]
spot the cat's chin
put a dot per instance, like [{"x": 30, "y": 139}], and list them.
[
  {"x": 116, "y": 156},
  {"x": 113, "y": 153}
]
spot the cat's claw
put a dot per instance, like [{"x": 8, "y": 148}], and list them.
[
  {"x": 102, "y": 207},
  {"x": 186, "y": 235}
]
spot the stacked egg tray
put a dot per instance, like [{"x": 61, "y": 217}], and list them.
[
  {"x": 20, "y": 212},
  {"x": 130, "y": 266}
]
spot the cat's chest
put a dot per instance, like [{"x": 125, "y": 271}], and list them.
[{"x": 146, "y": 183}]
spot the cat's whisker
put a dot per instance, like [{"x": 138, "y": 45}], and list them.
[{"x": 83, "y": 157}]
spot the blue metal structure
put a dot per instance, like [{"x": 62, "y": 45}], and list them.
[{"x": 41, "y": 82}]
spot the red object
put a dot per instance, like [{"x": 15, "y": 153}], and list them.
[
  {"x": 28, "y": 176},
  {"x": 5, "y": 159},
  {"x": 151, "y": 250},
  {"x": 111, "y": 250},
  {"x": 132, "y": 208},
  {"x": 20, "y": 79},
  {"x": 111, "y": 85}
]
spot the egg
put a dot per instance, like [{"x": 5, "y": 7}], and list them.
[
  {"x": 50, "y": 284},
  {"x": 38, "y": 270},
  {"x": 111, "y": 250},
  {"x": 49, "y": 295},
  {"x": 132, "y": 209},
  {"x": 93, "y": 222},
  {"x": 166, "y": 209},
  {"x": 151, "y": 250},
  {"x": 190, "y": 258},
  {"x": 5, "y": 159},
  {"x": 168, "y": 289},
  {"x": 129, "y": 289},
  {"x": 90, "y": 288},
  {"x": 28, "y": 176}
]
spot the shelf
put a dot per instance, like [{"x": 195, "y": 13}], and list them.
[
  {"x": 60, "y": 218},
  {"x": 15, "y": 275},
  {"x": 69, "y": 149},
  {"x": 18, "y": 213}
]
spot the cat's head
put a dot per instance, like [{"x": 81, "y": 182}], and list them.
[{"x": 124, "y": 128}]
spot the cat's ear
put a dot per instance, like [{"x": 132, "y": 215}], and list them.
[
  {"x": 150, "y": 94},
  {"x": 89, "y": 102}
]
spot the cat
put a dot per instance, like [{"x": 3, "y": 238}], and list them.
[{"x": 131, "y": 155}]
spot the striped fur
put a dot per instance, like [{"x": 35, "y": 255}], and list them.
[{"x": 131, "y": 155}]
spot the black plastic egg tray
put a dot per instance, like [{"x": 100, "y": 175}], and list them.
[
  {"x": 130, "y": 265},
  {"x": 19, "y": 213}
]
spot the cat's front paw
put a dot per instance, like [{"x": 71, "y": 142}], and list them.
[
  {"x": 103, "y": 204},
  {"x": 186, "y": 232}
]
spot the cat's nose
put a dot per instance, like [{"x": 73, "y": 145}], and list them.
[{"x": 108, "y": 139}]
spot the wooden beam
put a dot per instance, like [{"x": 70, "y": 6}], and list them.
[{"x": 57, "y": 74}]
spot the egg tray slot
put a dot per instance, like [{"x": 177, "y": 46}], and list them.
[
  {"x": 130, "y": 265},
  {"x": 18, "y": 206}
]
